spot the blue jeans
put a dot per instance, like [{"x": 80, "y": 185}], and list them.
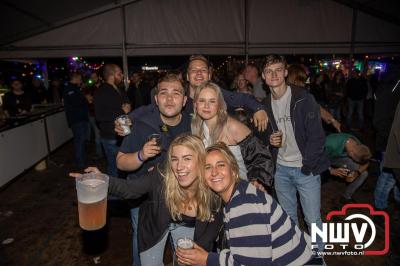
[
  {"x": 385, "y": 183},
  {"x": 79, "y": 130},
  {"x": 111, "y": 149},
  {"x": 154, "y": 255},
  {"x": 135, "y": 240},
  {"x": 93, "y": 127},
  {"x": 358, "y": 107},
  {"x": 289, "y": 181},
  {"x": 336, "y": 112},
  {"x": 352, "y": 187}
]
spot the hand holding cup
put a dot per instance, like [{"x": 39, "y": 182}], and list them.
[
  {"x": 152, "y": 147},
  {"x": 276, "y": 139},
  {"x": 195, "y": 255}
]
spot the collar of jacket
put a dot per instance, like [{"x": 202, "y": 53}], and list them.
[{"x": 298, "y": 95}]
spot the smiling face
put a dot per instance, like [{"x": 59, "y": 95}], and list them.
[
  {"x": 219, "y": 175},
  {"x": 241, "y": 82},
  {"x": 184, "y": 166},
  {"x": 198, "y": 73},
  {"x": 206, "y": 104},
  {"x": 170, "y": 98}
]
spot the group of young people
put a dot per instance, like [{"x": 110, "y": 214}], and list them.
[{"x": 210, "y": 178}]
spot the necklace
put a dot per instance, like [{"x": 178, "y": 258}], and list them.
[{"x": 174, "y": 123}]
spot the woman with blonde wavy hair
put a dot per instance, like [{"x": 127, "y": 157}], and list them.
[
  {"x": 212, "y": 123},
  {"x": 260, "y": 231},
  {"x": 179, "y": 203}
]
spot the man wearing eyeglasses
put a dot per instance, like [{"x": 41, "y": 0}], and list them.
[{"x": 298, "y": 148}]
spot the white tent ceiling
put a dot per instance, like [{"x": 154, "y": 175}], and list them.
[{"x": 44, "y": 29}]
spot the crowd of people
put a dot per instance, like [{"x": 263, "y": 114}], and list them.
[{"x": 223, "y": 166}]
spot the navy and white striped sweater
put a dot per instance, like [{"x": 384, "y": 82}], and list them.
[{"x": 259, "y": 232}]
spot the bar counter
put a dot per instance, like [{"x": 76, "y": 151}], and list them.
[{"x": 27, "y": 139}]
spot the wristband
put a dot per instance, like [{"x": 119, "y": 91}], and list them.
[{"x": 138, "y": 156}]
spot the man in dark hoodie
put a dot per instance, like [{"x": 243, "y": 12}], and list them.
[{"x": 297, "y": 140}]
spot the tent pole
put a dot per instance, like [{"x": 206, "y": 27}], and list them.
[
  {"x": 353, "y": 37},
  {"x": 124, "y": 56},
  {"x": 246, "y": 31}
]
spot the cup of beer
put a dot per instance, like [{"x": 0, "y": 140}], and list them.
[
  {"x": 184, "y": 243},
  {"x": 279, "y": 134},
  {"x": 157, "y": 137},
  {"x": 125, "y": 124},
  {"x": 92, "y": 190}
]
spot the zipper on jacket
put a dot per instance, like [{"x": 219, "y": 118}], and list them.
[{"x": 294, "y": 121}]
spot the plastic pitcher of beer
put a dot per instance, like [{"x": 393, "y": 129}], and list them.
[{"x": 92, "y": 190}]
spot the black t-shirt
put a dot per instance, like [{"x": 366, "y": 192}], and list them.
[
  {"x": 108, "y": 106},
  {"x": 15, "y": 104},
  {"x": 143, "y": 128},
  {"x": 357, "y": 88}
]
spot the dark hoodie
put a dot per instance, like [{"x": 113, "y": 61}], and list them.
[{"x": 308, "y": 131}]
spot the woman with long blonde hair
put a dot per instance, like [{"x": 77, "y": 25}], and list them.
[
  {"x": 212, "y": 124},
  {"x": 178, "y": 201},
  {"x": 179, "y": 195},
  {"x": 260, "y": 231}
]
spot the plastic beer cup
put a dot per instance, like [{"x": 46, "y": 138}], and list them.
[
  {"x": 279, "y": 134},
  {"x": 184, "y": 243}
]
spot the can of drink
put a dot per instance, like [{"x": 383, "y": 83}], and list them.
[
  {"x": 348, "y": 171},
  {"x": 157, "y": 137},
  {"x": 124, "y": 122}
]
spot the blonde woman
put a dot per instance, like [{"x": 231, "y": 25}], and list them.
[
  {"x": 258, "y": 230},
  {"x": 213, "y": 124},
  {"x": 178, "y": 202}
]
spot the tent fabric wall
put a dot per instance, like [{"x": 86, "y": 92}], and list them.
[
  {"x": 19, "y": 25},
  {"x": 299, "y": 26},
  {"x": 104, "y": 29},
  {"x": 180, "y": 27},
  {"x": 185, "y": 27},
  {"x": 370, "y": 29}
]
